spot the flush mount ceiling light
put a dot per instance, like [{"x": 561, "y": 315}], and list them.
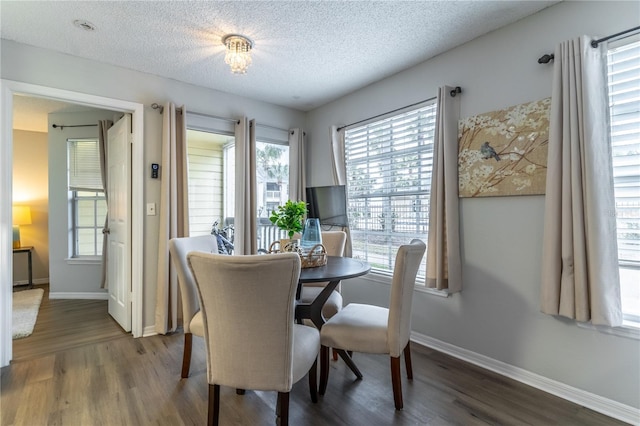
[{"x": 238, "y": 55}]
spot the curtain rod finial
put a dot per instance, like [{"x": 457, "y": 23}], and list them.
[
  {"x": 455, "y": 91},
  {"x": 158, "y": 107},
  {"x": 546, "y": 58}
]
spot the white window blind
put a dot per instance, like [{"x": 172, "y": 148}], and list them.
[
  {"x": 389, "y": 166},
  {"x": 84, "y": 165},
  {"x": 624, "y": 102}
]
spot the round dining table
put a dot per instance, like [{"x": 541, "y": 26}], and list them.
[{"x": 336, "y": 269}]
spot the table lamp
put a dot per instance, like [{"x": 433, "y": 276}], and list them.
[{"x": 21, "y": 216}]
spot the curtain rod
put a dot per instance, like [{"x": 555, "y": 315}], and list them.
[
  {"x": 55, "y": 126},
  {"x": 160, "y": 109},
  {"x": 231, "y": 120},
  {"x": 453, "y": 93},
  {"x": 548, "y": 57},
  {"x": 594, "y": 43}
]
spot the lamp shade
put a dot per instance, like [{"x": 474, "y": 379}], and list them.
[{"x": 21, "y": 215}]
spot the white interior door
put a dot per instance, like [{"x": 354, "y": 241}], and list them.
[{"x": 119, "y": 224}]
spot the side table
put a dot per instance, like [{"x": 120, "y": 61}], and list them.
[{"x": 29, "y": 251}]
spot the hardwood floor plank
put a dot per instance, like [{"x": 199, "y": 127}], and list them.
[
  {"x": 124, "y": 381},
  {"x": 67, "y": 323}
]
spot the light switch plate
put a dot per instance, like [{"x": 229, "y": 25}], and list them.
[{"x": 151, "y": 209}]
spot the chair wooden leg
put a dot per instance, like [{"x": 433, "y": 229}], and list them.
[
  {"x": 324, "y": 369},
  {"x": 186, "y": 356},
  {"x": 214, "y": 405},
  {"x": 313, "y": 381},
  {"x": 283, "y": 408},
  {"x": 335, "y": 354},
  {"x": 407, "y": 361},
  {"x": 396, "y": 382}
]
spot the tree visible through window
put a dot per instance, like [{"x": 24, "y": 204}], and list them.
[
  {"x": 389, "y": 165},
  {"x": 272, "y": 176}
]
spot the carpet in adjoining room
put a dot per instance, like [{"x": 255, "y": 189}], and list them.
[{"x": 25, "y": 311}]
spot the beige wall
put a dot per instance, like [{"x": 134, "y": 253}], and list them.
[{"x": 31, "y": 187}]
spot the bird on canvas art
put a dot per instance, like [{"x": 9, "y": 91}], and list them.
[{"x": 487, "y": 151}]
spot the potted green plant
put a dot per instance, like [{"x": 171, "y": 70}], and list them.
[{"x": 289, "y": 217}]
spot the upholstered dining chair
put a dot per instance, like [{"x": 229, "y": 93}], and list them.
[
  {"x": 373, "y": 329},
  {"x": 191, "y": 316},
  {"x": 333, "y": 242},
  {"x": 248, "y": 306}
]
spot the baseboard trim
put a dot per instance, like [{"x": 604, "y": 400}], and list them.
[
  {"x": 78, "y": 295},
  {"x": 149, "y": 330},
  {"x": 35, "y": 281},
  {"x": 589, "y": 400}
]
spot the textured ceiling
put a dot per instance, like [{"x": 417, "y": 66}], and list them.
[
  {"x": 306, "y": 53},
  {"x": 32, "y": 114}
]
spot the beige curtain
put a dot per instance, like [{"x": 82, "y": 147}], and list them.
[
  {"x": 339, "y": 168},
  {"x": 103, "y": 127},
  {"x": 338, "y": 160},
  {"x": 444, "y": 267},
  {"x": 246, "y": 209},
  {"x": 174, "y": 213},
  {"x": 580, "y": 276},
  {"x": 297, "y": 178}
]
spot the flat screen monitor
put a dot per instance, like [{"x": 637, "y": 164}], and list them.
[{"x": 329, "y": 204}]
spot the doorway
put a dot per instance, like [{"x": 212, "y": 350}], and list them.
[
  {"x": 10, "y": 88},
  {"x": 56, "y": 163}
]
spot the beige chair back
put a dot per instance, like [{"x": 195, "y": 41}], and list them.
[
  {"x": 248, "y": 307},
  {"x": 404, "y": 277},
  {"x": 178, "y": 248},
  {"x": 334, "y": 242}
]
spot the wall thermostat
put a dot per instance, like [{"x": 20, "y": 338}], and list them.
[{"x": 154, "y": 170}]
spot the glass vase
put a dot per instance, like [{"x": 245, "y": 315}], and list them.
[{"x": 311, "y": 235}]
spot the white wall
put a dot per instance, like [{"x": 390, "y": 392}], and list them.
[
  {"x": 48, "y": 68},
  {"x": 67, "y": 276},
  {"x": 497, "y": 314}
]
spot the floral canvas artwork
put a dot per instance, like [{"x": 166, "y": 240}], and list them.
[{"x": 504, "y": 152}]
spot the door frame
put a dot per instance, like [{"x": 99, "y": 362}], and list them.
[{"x": 7, "y": 89}]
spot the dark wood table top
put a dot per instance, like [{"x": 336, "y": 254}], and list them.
[{"x": 337, "y": 268}]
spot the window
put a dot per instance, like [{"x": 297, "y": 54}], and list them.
[
  {"x": 272, "y": 180},
  {"x": 389, "y": 166},
  {"x": 206, "y": 180},
  {"x": 88, "y": 207},
  {"x": 211, "y": 182},
  {"x": 272, "y": 176},
  {"x": 89, "y": 211},
  {"x": 624, "y": 101}
]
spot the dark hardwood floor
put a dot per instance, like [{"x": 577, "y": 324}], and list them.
[
  {"x": 119, "y": 380},
  {"x": 64, "y": 324}
]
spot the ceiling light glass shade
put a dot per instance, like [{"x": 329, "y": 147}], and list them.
[{"x": 238, "y": 55}]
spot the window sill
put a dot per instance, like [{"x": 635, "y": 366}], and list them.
[
  {"x": 432, "y": 291},
  {"x": 630, "y": 330},
  {"x": 419, "y": 287},
  {"x": 84, "y": 260}
]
